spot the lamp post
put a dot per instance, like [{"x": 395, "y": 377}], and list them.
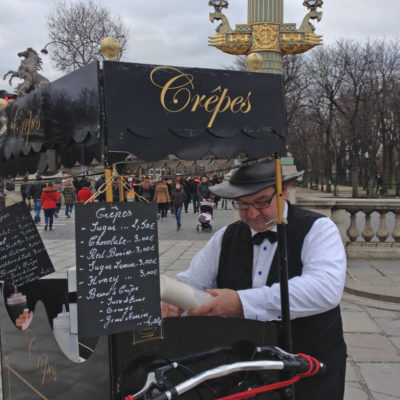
[
  {"x": 44, "y": 50},
  {"x": 265, "y": 39}
]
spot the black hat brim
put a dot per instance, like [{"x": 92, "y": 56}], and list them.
[{"x": 228, "y": 190}]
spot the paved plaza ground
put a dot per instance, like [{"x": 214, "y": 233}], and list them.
[{"x": 372, "y": 327}]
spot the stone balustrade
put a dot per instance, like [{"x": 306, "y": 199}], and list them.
[{"x": 370, "y": 228}]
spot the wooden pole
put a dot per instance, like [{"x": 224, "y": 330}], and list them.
[
  {"x": 121, "y": 188},
  {"x": 107, "y": 178},
  {"x": 283, "y": 268}
]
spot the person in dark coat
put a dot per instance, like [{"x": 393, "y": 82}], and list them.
[
  {"x": 35, "y": 193},
  {"x": 186, "y": 187},
  {"x": 69, "y": 193},
  {"x": 193, "y": 194},
  {"x": 25, "y": 188},
  {"x": 202, "y": 189},
  {"x": 99, "y": 182},
  {"x": 379, "y": 185},
  {"x": 177, "y": 199},
  {"x": 146, "y": 189},
  {"x": 240, "y": 268}
]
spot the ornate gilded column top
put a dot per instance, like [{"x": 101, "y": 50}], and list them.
[{"x": 266, "y": 36}]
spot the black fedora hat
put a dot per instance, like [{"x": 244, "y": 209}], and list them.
[{"x": 248, "y": 180}]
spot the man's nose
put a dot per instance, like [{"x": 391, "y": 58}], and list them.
[{"x": 252, "y": 211}]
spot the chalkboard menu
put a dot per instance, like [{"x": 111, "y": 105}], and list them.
[
  {"x": 23, "y": 258},
  {"x": 118, "y": 287}
]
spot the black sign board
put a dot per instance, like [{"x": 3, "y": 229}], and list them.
[
  {"x": 118, "y": 285},
  {"x": 23, "y": 258},
  {"x": 192, "y": 111}
]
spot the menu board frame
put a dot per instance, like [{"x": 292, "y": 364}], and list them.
[
  {"x": 118, "y": 286},
  {"x": 23, "y": 257}
]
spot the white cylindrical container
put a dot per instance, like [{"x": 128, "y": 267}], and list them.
[
  {"x": 68, "y": 342},
  {"x": 181, "y": 295}
]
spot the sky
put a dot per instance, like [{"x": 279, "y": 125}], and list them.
[{"x": 175, "y": 32}]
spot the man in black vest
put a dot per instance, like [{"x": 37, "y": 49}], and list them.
[{"x": 239, "y": 268}]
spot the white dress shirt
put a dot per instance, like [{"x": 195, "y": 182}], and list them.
[{"x": 318, "y": 289}]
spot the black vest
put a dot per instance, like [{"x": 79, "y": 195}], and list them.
[{"x": 315, "y": 334}]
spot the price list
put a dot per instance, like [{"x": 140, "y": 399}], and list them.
[{"x": 117, "y": 267}]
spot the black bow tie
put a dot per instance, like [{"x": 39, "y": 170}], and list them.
[{"x": 260, "y": 236}]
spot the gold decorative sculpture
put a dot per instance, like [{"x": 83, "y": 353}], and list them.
[{"x": 265, "y": 33}]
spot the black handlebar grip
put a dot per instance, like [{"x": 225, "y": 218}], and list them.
[
  {"x": 322, "y": 368},
  {"x": 169, "y": 394}
]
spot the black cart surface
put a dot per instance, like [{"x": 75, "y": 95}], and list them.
[{"x": 102, "y": 115}]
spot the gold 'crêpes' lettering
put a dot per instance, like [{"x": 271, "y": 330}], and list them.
[
  {"x": 177, "y": 95},
  {"x": 40, "y": 360},
  {"x": 25, "y": 126}
]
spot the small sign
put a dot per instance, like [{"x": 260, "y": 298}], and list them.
[
  {"x": 118, "y": 287},
  {"x": 23, "y": 257}
]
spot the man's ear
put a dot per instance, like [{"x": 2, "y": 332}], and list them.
[{"x": 284, "y": 192}]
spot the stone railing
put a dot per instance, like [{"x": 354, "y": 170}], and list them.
[{"x": 370, "y": 228}]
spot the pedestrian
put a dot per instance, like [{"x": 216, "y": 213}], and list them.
[
  {"x": 69, "y": 193},
  {"x": 161, "y": 197},
  {"x": 177, "y": 199},
  {"x": 379, "y": 185},
  {"x": 146, "y": 189},
  {"x": 193, "y": 194},
  {"x": 202, "y": 189},
  {"x": 186, "y": 188},
  {"x": 239, "y": 267},
  {"x": 99, "y": 188},
  {"x": 35, "y": 193},
  {"x": 49, "y": 199},
  {"x": 85, "y": 193},
  {"x": 59, "y": 189},
  {"x": 25, "y": 188}
]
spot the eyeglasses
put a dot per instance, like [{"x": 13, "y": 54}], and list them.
[{"x": 258, "y": 205}]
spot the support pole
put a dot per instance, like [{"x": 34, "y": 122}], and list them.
[
  {"x": 121, "y": 188},
  {"x": 283, "y": 271},
  {"x": 107, "y": 178},
  {"x": 283, "y": 266}
]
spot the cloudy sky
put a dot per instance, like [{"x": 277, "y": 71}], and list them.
[{"x": 175, "y": 32}]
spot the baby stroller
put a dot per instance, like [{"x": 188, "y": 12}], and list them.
[{"x": 205, "y": 217}]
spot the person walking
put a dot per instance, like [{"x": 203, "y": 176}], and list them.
[
  {"x": 146, "y": 189},
  {"x": 58, "y": 186},
  {"x": 100, "y": 181},
  {"x": 379, "y": 185},
  {"x": 25, "y": 188},
  {"x": 239, "y": 267},
  {"x": 193, "y": 194},
  {"x": 178, "y": 197},
  {"x": 35, "y": 193},
  {"x": 161, "y": 197},
  {"x": 85, "y": 193},
  {"x": 49, "y": 199},
  {"x": 69, "y": 193},
  {"x": 202, "y": 189},
  {"x": 186, "y": 187}
]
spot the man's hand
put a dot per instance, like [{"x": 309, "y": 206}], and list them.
[
  {"x": 225, "y": 302},
  {"x": 168, "y": 310}
]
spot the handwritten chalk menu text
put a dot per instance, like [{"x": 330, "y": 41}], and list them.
[
  {"x": 118, "y": 287},
  {"x": 23, "y": 258}
]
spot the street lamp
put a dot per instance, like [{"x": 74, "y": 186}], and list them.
[
  {"x": 218, "y": 4},
  {"x": 44, "y": 50},
  {"x": 313, "y": 4}
]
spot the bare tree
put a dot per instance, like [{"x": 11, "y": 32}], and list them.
[
  {"x": 76, "y": 30},
  {"x": 343, "y": 113}
]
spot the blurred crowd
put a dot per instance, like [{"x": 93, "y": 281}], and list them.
[{"x": 172, "y": 194}]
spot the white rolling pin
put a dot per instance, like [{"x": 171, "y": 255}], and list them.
[{"x": 180, "y": 294}]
